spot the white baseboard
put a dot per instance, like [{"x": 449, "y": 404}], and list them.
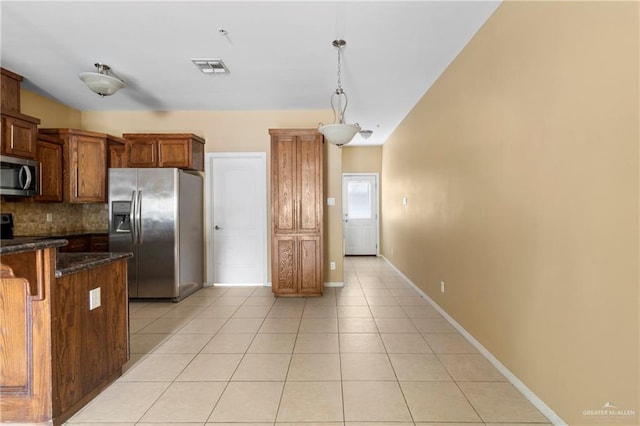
[
  {"x": 533, "y": 398},
  {"x": 334, "y": 284}
]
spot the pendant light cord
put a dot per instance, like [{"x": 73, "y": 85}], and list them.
[{"x": 338, "y": 113}]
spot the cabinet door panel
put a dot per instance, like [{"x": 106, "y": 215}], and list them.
[
  {"x": 283, "y": 183},
  {"x": 173, "y": 153},
  {"x": 19, "y": 138},
  {"x": 25, "y": 357},
  {"x": 310, "y": 267},
  {"x": 284, "y": 265},
  {"x": 309, "y": 172},
  {"x": 89, "y": 157},
  {"x": 117, "y": 157},
  {"x": 142, "y": 153},
  {"x": 16, "y": 357},
  {"x": 50, "y": 157}
]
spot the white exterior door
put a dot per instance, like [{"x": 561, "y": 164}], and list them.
[
  {"x": 360, "y": 214},
  {"x": 237, "y": 218}
]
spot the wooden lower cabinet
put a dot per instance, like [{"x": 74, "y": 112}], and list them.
[
  {"x": 57, "y": 354},
  {"x": 25, "y": 332},
  {"x": 89, "y": 347},
  {"x": 77, "y": 244},
  {"x": 86, "y": 243},
  {"x": 99, "y": 243},
  {"x": 296, "y": 265}
]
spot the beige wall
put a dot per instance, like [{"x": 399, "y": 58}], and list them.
[
  {"x": 362, "y": 159},
  {"x": 521, "y": 170},
  {"x": 51, "y": 113}
]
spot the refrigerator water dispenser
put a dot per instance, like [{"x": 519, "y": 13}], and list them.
[{"x": 121, "y": 220}]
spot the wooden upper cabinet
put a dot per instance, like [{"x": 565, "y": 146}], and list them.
[
  {"x": 50, "y": 158},
  {"x": 181, "y": 150},
  {"x": 9, "y": 91},
  {"x": 296, "y": 161},
  {"x": 87, "y": 177},
  {"x": 143, "y": 153},
  {"x": 18, "y": 132},
  {"x": 85, "y": 165},
  {"x": 117, "y": 147}
]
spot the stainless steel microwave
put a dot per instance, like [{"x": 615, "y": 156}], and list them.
[{"x": 19, "y": 177}]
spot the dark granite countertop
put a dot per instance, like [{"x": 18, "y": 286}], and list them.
[
  {"x": 68, "y": 263},
  {"x": 20, "y": 245}
]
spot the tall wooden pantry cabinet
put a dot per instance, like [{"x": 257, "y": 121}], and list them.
[{"x": 296, "y": 212}]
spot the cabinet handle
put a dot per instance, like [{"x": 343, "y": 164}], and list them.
[
  {"x": 11, "y": 138},
  {"x": 40, "y": 179}
]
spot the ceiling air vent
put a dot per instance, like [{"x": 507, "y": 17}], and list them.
[{"x": 211, "y": 66}]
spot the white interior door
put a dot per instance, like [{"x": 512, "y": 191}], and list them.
[
  {"x": 237, "y": 218},
  {"x": 360, "y": 214}
]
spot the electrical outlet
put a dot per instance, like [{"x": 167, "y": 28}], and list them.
[
  {"x": 442, "y": 286},
  {"x": 94, "y": 298},
  {"x": 49, "y": 217},
  {"x": 332, "y": 266}
]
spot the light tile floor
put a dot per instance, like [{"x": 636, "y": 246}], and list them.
[{"x": 372, "y": 353}]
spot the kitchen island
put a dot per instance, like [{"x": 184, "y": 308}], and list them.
[{"x": 63, "y": 328}]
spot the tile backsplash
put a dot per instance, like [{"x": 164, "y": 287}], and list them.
[{"x": 30, "y": 218}]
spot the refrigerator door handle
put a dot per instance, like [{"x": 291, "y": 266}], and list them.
[
  {"x": 132, "y": 217},
  {"x": 139, "y": 211}
]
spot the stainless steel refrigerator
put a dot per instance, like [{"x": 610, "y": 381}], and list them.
[{"x": 157, "y": 214}]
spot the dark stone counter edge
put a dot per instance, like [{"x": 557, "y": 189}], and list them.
[
  {"x": 20, "y": 246},
  {"x": 65, "y": 234},
  {"x": 68, "y": 263}
]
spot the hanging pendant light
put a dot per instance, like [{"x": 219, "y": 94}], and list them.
[
  {"x": 339, "y": 133},
  {"x": 102, "y": 82}
]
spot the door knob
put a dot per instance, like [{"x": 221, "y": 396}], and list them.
[{"x": 217, "y": 228}]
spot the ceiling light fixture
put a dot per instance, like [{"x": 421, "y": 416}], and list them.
[
  {"x": 211, "y": 66},
  {"x": 102, "y": 82},
  {"x": 339, "y": 133},
  {"x": 366, "y": 134}
]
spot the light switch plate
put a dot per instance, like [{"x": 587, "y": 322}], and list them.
[
  {"x": 94, "y": 298},
  {"x": 331, "y": 201}
]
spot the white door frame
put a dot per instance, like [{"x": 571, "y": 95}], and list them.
[
  {"x": 208, "y": 168},
  {"x": 377, "y": 207}
]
